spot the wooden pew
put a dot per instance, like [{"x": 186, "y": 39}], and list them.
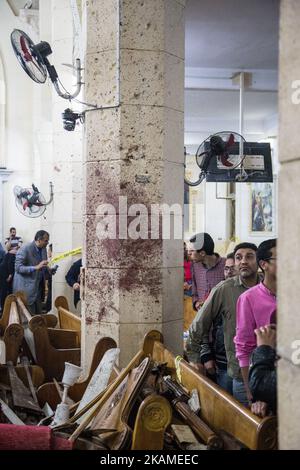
[
  {"x": 46, "y": 355},
  {"x": 6, "y": 312},
  {"x": 13, "y": 335},
  {"x": 61, "y": 301},
  {"x": 67, "y": 319},
  {"x": 60, "y": 339},
  {"x": 218, "y": 409},
  {"x": 51, "y": 359},
  {"x": 50, "y": 318},
  {"x": 48, "y": 391},
  {"x": 70, "y": 321},
  {"x": 188, "y": 312},
  {"x": 36, "y": 372}
]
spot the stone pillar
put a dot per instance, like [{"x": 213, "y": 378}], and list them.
[
  {"x": 66, "y": 166},
  {"x": 289, "y": 224},
  {"x": 134, "y": 64}
]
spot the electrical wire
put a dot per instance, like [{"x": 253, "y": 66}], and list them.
[{"x": 75, "y": 99}]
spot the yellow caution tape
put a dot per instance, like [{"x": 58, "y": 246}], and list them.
[
  {"x": 74, "y": 252},
  {"x": 178, "y": 359}
]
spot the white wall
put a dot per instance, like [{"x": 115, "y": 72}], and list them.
[
  {"x": 19, "y": 149},
  {"x": 37, "y": 148}
]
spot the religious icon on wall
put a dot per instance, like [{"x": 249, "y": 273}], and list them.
[{"x": 262, "y": 208}]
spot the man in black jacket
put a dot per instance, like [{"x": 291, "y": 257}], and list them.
[
  {"x": 262, "y": 374},
  {"x": 7, "y": 270},
  {"x": 73, "y": 279}
]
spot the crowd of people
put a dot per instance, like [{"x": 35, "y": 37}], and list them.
[
  {"x": 232, "y": 337},
  {"x": 27, "y": 268}
]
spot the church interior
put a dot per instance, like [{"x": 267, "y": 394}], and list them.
[{"x": 149, "y": 164}]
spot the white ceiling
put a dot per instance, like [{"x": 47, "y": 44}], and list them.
[
  {"x": 232, "y": 33},
  {"x": 224, "y": 37},
  {"x": 228, "y": 103}
]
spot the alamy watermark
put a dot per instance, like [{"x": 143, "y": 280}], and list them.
[
  {"x": 295, "y": 357},
  {"x": 296, "y": 94},
  {"x": 138, "y": 221}
]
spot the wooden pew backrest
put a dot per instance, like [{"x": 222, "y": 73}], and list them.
[
  {"x": 69, "y": 321},
  {"x": 52, "y": 360},
  {"x": 6, "y": 313},
  {"x": 61, "y": 301},
  {"x": 13, "y": 334}
]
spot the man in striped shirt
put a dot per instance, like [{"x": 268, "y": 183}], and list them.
[
  {"x": 207, "y": 268},
  {"x": 13, "y": 242}
]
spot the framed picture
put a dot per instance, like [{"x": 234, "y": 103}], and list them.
[{"x": 263, "y": 208}]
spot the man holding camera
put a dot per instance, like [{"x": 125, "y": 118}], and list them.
[{"x": 30, "y": 269}]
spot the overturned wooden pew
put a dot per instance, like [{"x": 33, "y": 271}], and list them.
[
  {"x": 110, "y": 411},
  {"x": 36, "y": 372},
  {"x": 48, "y": 392},
  {"x": 219, "y": 409},
  {"x": 221, "y": 415}
]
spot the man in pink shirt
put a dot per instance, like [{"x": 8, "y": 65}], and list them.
[{"x": 256, "y": 308}]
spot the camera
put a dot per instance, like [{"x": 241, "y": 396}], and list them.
[
  {"x": 54, "y": 269},
  {"x": 69, "y": 119}
]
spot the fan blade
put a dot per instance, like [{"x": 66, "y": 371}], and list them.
[
  {"x": 230, "y": 141},
  {"x": 27, "y": 54},
  {"x": 224, "y": 160}
]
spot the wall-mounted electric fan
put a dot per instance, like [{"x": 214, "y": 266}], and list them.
[
  {"x": 33, "y": 59},
  {"x": 226, "y": 156},
  {"x": 30, "y": 201}
]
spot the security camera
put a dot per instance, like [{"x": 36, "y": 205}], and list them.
[{"x": 69, "y": 119}]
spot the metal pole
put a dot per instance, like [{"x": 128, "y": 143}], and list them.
[{"x": 241, "y": 131}]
